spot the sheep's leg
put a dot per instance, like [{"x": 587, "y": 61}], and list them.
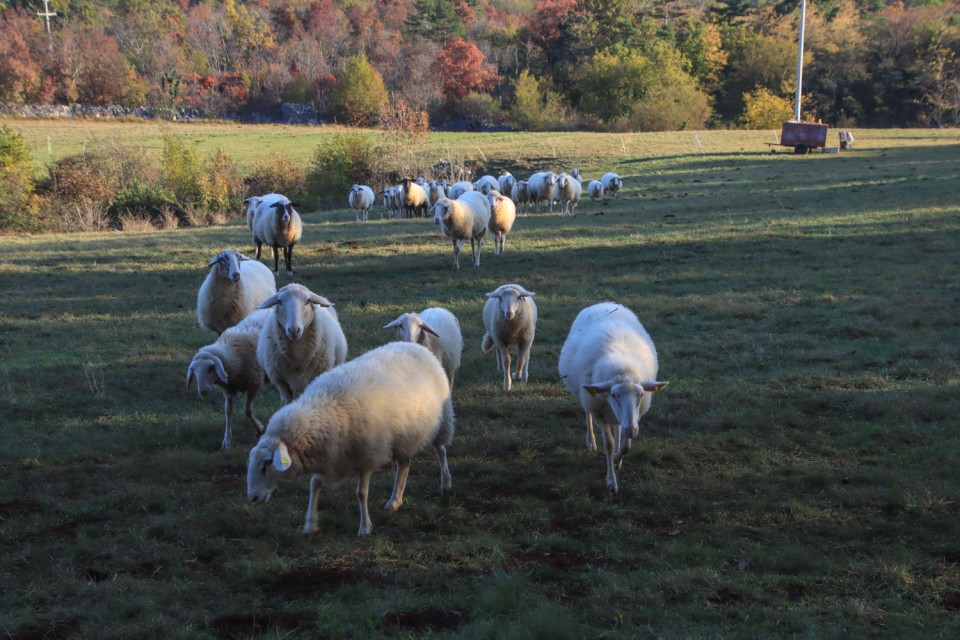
[
  {"x": 259, "y": 247},
  {"x": 310, "y": 523},
  {"x": 286, "y": 393},
  {"x": 251, "y": 395},
  {"x": 445, "y": 434},
  {"x": 608, "y": 447},
  {"x": 523, "y": 363},
  {"x": 363, "y": 490},
  {"x": 276, "y": 260},
  {"x": 399, "y": 485},
  {"x": 227, "y": 410},
  {"x": 622, "y": 451},
  {"x": 288, "y": 258},
  {"x": 456, "y": 254},
  {"x": 591, "y": 438},
  {"x": 505, "y": 356}
]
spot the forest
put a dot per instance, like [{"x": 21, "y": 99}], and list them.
[{"x": 578, "y": 65}]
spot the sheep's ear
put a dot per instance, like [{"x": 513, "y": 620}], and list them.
[
  {"x": 320, "y": 300},
  {"x": 251, "y": 199},
  {"x": 270, "y": 302},
  {"x": 294, "y": 204},
  {"x": 214, "y": 260},
  {"x": 218, "y": 367},
  {"x": 241, "y": 257},
  {"x": 526, "y": 294},
  {"x": 428, "y": 329},
  {"x": 653, "y": 385},
  {"x": 189, "y": 375},
  {"x": 395, "y": 323},
  {"x": 596, "y": 389},
  {"x": 279, "y": 206},
  {"x": 281, "y": 457},
  {"x": 493, "y": 294}
]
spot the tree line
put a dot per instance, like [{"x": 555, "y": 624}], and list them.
[{"x": 604, "y": 65}]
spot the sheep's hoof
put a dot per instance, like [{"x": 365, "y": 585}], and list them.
[
  {"x": 310, "y": 530},
  {"x": 363, "y": 533},
  {"x": 224, "y": 445},
  {"x": 392, "y": 505}
]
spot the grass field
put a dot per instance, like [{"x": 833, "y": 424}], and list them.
[{"x": 800, "y": 476}]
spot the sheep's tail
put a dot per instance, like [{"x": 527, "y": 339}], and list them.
[{"x": 487, "y": 345}]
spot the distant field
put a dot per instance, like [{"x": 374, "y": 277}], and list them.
[{"x": 797, "y": 479}]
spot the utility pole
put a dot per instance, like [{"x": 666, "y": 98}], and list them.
[
  {"x": 47, "y": 14},
  {"x": 803, "y": 19}
]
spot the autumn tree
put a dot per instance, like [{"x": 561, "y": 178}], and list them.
[
  {"x": 462, "y": 70},
  {"x": 763, "y": 109},
  {"x": 360, "y": 92},
  {"x": 536, "y": 107},
  {"x": 102, "y": 72}
]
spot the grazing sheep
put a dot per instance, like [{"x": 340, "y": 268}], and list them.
[
  {"x": 233, "y": 288},
  {"x": 486, "y": 184},
  {"x": 414, "y": 198},
  {"x": 567, "y": 193},
  {"x": 510, "y": 317},
  {"x": 300, "y": 341},
  {"x": 595, "y": 190},
  {"x": 277, "y": 225},
  {"x": 252, "y": 203},
  {"x": 382, "y": 407},
  {"x": 609, "y": 363},
  {"x": 506, "y": 181},
  {"x": 438, "y": 330},
  {"x": 230, "y": 365},
  {"x": 361, "y": 199},
  {"x": 435, "y": 191},
  {"x": 464, "y": 218},
  {"x": 611, "y": 183},
  {"x": 541, "y": 188},
  {"x": 457, "y": 189},
  {"x": 521, "y": 195},
  {"x": 503, "y": 213}
]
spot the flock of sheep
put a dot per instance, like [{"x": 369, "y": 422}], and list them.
[{"x": 343, "y": 419}]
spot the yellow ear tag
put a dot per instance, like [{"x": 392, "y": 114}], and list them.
[{"x": 285, "y": 459}]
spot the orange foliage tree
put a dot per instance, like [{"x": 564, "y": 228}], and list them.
[{"x": 463, "y": 70}]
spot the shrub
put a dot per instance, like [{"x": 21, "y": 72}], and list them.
[
  {"x": 481, "y": 108},
  {"x": 536, "y": 107},
  {"x": 763, "y": 109},
  {"x": 341, "y": 161},
  {"x": 19, "y": 204},
  {"x": 360, "y": 92},
  {"x": 220, "y": 187},
  {"x": 276, "y": 174}
]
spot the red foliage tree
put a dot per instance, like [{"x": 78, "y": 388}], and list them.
[
  {"x": 548, "y": 15},
  {"x": 461, "y": 66}
]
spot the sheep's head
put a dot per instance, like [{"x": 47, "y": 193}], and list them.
[
  {"x": 628, "y": 399},
  {"x": 227, "y": 263},
  {"x": 252, "y": 202},
  {"x": 208, "y": 371},
  {"x": 441, "y": 210},
  {"x": 286, "y": 211},
  {"x": 269, "y": 461},
  {"x": 509, "y": 299},
  {"x": 550, "y": 179},
  {"x": 293, "y": 308},
  {"x": 410, "y": 328}
]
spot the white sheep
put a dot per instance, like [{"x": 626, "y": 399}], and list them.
[
  {"x": 382, "y": 407},
  {"x": 609, "y": 363},
  {"x": 438, "y": 330},
  {"x": 541, "y": 188},
  {"x": 301, "y": 340},
  {"x": 611, "y": 183},
  {"x": 435, "y": 191},
  {"x": 506, "y": 181},
  {"x": 510, "y": 318},
  {"x": 391, "y": 200},
  {"x": 595, "y": 190},
  {"x": 414, "y": 198},
  {"x": 252, "y": 203},
  {"x": 230, "y": 365},
  {"x": 457, "y": 189},
  {"x": 277, "y": 225},
  {"x": 521, "y": 196},
  {"x": 464, "y": 218},
  {"x": 486, "y": 184},
  {"x": 361, "y": 199},
  {"x": 233, "y": 288},
  {"x": 503, "y": 213},
  {"x": 577, "y": 175},
  {"x": 567, "y": 192}
]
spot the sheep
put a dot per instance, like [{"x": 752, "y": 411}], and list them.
[
  {"x": 611, "y": 183},
  {"x": 464, "y": 218},
  {"x": 567, "y": 192},
  {"x": 595, "y": 190},
  {"x": 435, "y": 191},
  {"x": 506, "y": 181},
  {"x": 277, "y": 225},
  {"x": 361, "y": 198},
  {"x": 609, "y": 363},
  {"x": 503, "y": 213},
  {"x": 252, "y": 203},
  {"x": 391, "y": 200},
  {"x": 486, "y": 184},
  {"x": 230, "y": 365},
  {"x": 300, "y": 341},
  {"x": 414, "y": 198},
  {"x": 438, "y": 330},
  {"x": 521, "y": 195},
  {"x": 541, "y": 188},
  {"x": 510, "y": 317},
  {"x": 457, "y": 189},
  {"x": 233, "y": 288},
  {"x": 577, "y": 175},
  {"x": 382, "y": 407}
]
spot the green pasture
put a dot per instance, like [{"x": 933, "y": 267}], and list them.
[{"x": 798, "y": 478}]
